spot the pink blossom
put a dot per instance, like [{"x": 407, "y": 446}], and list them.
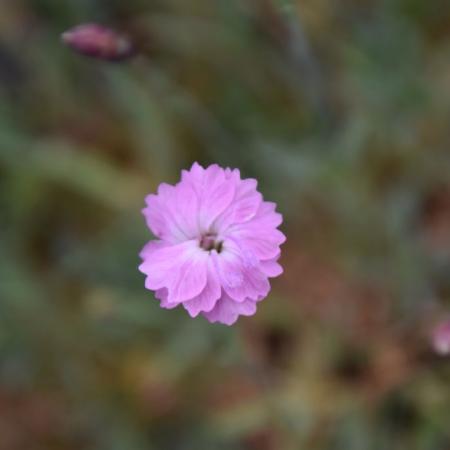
[{"x": 217, "y": 244}]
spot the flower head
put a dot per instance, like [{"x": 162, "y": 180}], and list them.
[{"x": 217, "y": 244}]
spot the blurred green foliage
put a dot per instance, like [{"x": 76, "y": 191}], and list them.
[{"x": 341, "y": 110}]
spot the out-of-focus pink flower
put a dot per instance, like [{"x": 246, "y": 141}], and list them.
[
  {"x": 98, "y": 42},
  {"x": 218, "y": 244},
  {"x": 441, "y": 338}
]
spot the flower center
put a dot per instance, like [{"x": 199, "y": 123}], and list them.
[{"x": 209, "y": 242}]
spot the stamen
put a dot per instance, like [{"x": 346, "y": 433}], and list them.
[{"x": 209, "y": 242}]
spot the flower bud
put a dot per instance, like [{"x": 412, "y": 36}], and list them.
[
  {"x": 98, "y": 42},
  {"x": 441, "y": 338}
]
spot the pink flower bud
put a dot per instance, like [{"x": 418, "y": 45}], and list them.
[
  {"x": 98, "y": 42},
  {"x": 441, "y": 338}
]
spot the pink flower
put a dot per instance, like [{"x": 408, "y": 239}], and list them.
[{"x": 217, "y": 244}]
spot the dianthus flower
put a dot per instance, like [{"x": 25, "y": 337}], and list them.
[{"x": 218, "y": 244}]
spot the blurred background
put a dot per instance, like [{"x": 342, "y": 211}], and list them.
[{"x": 341, "y": 110}]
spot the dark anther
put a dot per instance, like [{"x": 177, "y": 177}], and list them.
[{"x": 208, "y": 242}]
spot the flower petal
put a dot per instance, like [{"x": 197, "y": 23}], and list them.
[
  {"x": 244, "y": 206},
  {"x": 150, "y": 247},
  {"x": 214, "y": 190},
  {"x": 156, "y": 217},
  {"x": 179, "y": 268},
  {"x": 162, "y": 294},
  {"x": 206, "y": 300},
  {"x": 240, "y": 274},
  {"x": 227, "y": 311},
  {"x": 260, "y": 234},
  {"x": 194, "y": 177},
  {"x": 172, "y": 214},
  {"x": 271, "y": 268}
]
